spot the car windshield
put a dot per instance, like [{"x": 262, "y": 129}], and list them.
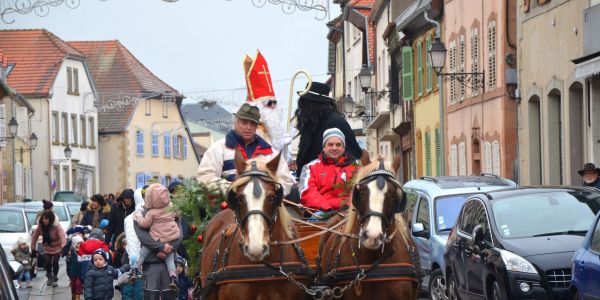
[
  {"x": 447, "y": 209},
  {"x": 73, "y": 209},
  {"x": 545, "y": 213},
  {"x": 12, "y": 221}
]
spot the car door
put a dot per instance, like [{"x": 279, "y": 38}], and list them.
[
  {"x": 422, "y": 240},
  {"x": 590, "y": 264},
  {"x": 475, "y": 262},
  {"x": 461, "y": 245}
]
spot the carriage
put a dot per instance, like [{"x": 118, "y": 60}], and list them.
[{"x": 256, "y": 250}]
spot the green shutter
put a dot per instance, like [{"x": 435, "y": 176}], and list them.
[
  {"x": 420, "y": 68},
  {"x": 407, "y": 74},
  {"x": 428, "y": 70},
  {"x": 428, "y": 153},
  {"x": 438, "y": 151}
]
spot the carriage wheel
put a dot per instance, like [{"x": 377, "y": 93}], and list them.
[{"x": 437, "y": 286}]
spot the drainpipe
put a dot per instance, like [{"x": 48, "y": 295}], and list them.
[{"x": 438, "y": 34}]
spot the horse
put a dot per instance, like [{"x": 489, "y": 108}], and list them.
[
  {"x": 249, "y": 251},
  {"x": 373, "y": 256}
]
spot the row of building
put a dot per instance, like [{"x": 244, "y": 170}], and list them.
[
  {"x": 520, "y": 87},
  {"x": 87, "y": 117}
]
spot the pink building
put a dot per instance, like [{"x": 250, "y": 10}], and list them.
[{"x": 481, "y": 124}]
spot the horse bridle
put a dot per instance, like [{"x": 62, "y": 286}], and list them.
[
  {"x": 255, "y": 175},
  {"x": 381, "y": 175}
]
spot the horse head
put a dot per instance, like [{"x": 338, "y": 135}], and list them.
[
  {"x": 377, "y": 197},
  {"x": 255, "y": 197}
]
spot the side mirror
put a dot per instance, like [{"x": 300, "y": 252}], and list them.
[
  {"x": 418, "y": 230},
  {"x": 477, "y": 235}
]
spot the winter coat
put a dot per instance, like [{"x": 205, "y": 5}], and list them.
[
  {"x": 218, "y": 166},
  {"x": 159, "y": 217},
  {"x": 88, "y": 218},
  {"x": 312, "y": 144},
  {"x": 184, "y": 284},
  {"x": 74, "y": 267},
  {"x": 23, "y": 257},
  {"x": 98, "y": 284},
  {"x": 132, "y": 291},
  {"x": 116, "y": 220},
  {"x": 86, "y": 249},
  {"x": 155, "y": 274},
  {"x": 77, "y": 218},
  {"x": 324, "y": 182},
  {"x": 57, "y": 234},
  {"x": 595, "y": 184}
]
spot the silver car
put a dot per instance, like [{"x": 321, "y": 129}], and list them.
[
  {"x": 13, "y": 225},
  {"x": 59, "y": 208},
  {"x": 433, "y": 204}
]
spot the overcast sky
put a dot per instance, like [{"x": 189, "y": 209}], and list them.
[{"x": 197, "y": 46}]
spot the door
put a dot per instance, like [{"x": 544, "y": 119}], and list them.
[
  {"x": 475, "y": 263},
  {"x": 464, "y": 227},
  {"x": 423, "y": 243},
  {"x": 591, "y": 266}
]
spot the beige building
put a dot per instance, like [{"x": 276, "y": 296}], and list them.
[
  {"x": 141, "y": 129},
  {"x": 558, "y": 111}
]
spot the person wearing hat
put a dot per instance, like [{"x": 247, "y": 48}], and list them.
[
  {"x": 119, "y": 211},
  {"x": 316, "y": 113},
  {"x": 53, "y": 239},
  {"x": 589, "y": 174},
  {"x": 97, "y": 210},
  {"x": 217, "y": 167},
  {"x": 98, "y": 282},
  {"x": 324, "y": 181}
]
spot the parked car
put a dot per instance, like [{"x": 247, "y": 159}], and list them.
[
  {"x": 7, "y": 287},
  {"x": 518, "y": 243},
  {"x": 73, "y": 208},
  {"x": 432, "y": 207},
  {"x": 585, "y": 283},
  {"x": 59, "y": 208},
  {"x": 68, "y": 196},
  {"x": 13, "y": 225}
]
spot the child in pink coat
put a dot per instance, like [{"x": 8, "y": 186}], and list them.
[{"x": 162, "y": 223}]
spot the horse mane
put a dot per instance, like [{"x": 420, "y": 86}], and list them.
[
  {"x": 284, "y": 216},
  {"x": 351, "y": 215}
]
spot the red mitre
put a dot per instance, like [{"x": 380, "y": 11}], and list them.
[{"x": 258, "y": 78}]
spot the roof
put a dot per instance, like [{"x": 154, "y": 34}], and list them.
[
  {"x": 120, "y": 78},
  {"x": 208, "y": 114},
  {"x": 37, "y": 55},
  {"x": 452, "y": 185},
  {"x": 525, "y": 190}
]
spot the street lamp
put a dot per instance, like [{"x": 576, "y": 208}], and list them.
[
  {"x": 33, "y": 140},
  {"x": 13, "y": 127},
  {"x": 68, "y": 152},
  {"x": 365, "y": 78},
  {"x": 348, "y": 106},
  {"x": 437, "y": 54}
]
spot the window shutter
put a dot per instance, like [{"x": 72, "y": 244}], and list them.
[
  {"x": 3, "y": 125},
  {"x": 154, "y": 144},
  {"x": 184, "y": 147},
  {"x": 176, "y": 146},
  {"x": 429, "y": 74},
  {"x": 22, "y": 120},
  {"x": 475, "y": 57},
  {"x": 407, "y": 74},
  {"x": 420, "y": 69},
  {"x": 167, "y": 145},
  {"x": 496, "y": 157},
  {"x": 18, "y": 178},
  {"x": 69, "y": 80},
  {"x": 140, "y": 143},
  {"x": 492, "y": 54},
  {"x": 75, "y": 81},
  {"x": 462, "y": 159},
  {"x": 487, "y": 151},
  {"x": 453, "y": 161},
  {"x": 461, "y": 67},
  {"x": 428, "y": 153},
  {"x": 438, "y": 151}
]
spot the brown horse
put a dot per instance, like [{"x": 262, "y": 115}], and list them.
[
  {"x": 374, "y": 256},
  {"x": 245, "y": 255}
]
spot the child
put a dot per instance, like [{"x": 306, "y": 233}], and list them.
[
  {"x": 22, "y": 255},
  {"x": 73, "y": 270},
  {"x": 87, "y": 248},
  {"x": 99, "y": 278},
  {"x": 183, "y": 282},
  {"x": 162, "y": 224}
]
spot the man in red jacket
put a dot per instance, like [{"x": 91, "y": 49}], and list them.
[{"x": 324, "y": 181}]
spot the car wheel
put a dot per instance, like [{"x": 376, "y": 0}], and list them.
[
  {"x": 437, "y": 286},
  {"x": 452, "y": 288},
  {"x": 498, "y": 293}
]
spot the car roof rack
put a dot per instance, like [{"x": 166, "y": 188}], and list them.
[
  {"x": 489, "y": 175},
  {"x": 429, "y": 178}
]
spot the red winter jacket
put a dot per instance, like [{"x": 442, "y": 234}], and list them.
[
  {"x": 323, "y": 182},
  {"x": 88, "y": 247}
]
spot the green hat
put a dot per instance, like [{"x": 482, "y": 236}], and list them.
[{"x": 248, "y": 112}]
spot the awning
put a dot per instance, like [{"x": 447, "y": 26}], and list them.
[
  {"x": 379, "y": 120},
  {"x": 587, "y": 66}
]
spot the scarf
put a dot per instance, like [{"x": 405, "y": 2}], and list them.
[{"x": 46, "y": 234}]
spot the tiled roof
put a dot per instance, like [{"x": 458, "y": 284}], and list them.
[
  {"x": 116, "y": 71},
  {"x": 37, "y": 55},
  {"x": 210, "y": 115}
]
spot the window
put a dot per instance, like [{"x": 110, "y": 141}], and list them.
[
  {"x": 474, "y": 214},
  {"x": 411, "y": 203},
  {"x": 428, "y": 70},
  {"x": 65, "y": 128},
  {"x": 74, "y": 128},
  {"x": 167, "y": 145},
  {"x": 139, "y": 143},
  {"x": 72, "y": 81},
  {"x": 461, "y": 67},
  {"x": 438, "y": 151},
  {"x": 419, "y": 68},
  {"x": 165, "y": 109},
  {"x": 453, "y": 160},
  {"x": 3, "y": 124},
  {"x": 28, "y": 184},
  {"x": 462, "y": 159},
  {"x": 77, "y": 180},
  {"x": 428, "y": 153},
  {"x": 83, "y": 123},
  {"x": 69, "y": 80},
  {"x": 56, "y": 185},
  {"x": 452, "y": 67},
  {"x": 18, "y": 178},
  {"x": 176, "y": 153},
  {"x": 23, "y": 129},
  {"x": 139, "y": 180},
  {"x": 423, "y": 213},
  {"x": 474, "y": 57},
  {"x": 491, "y": 54},
  {"x": 487, "y": 156},
  {"x": 154, "y": 144},
  {"x": 65, "y": 180},
  {"x": 595, "y": 242},
  {"x": 55, "y": 128},
  {"x": 75, "y": 81},
  {"x": 92, "y": 132},
  {"x": 496, "y": 157},
  {"x": 147, "y": 105},
  {"x": 407, "y": 74},
  {"x": 184, "y": 146}
]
